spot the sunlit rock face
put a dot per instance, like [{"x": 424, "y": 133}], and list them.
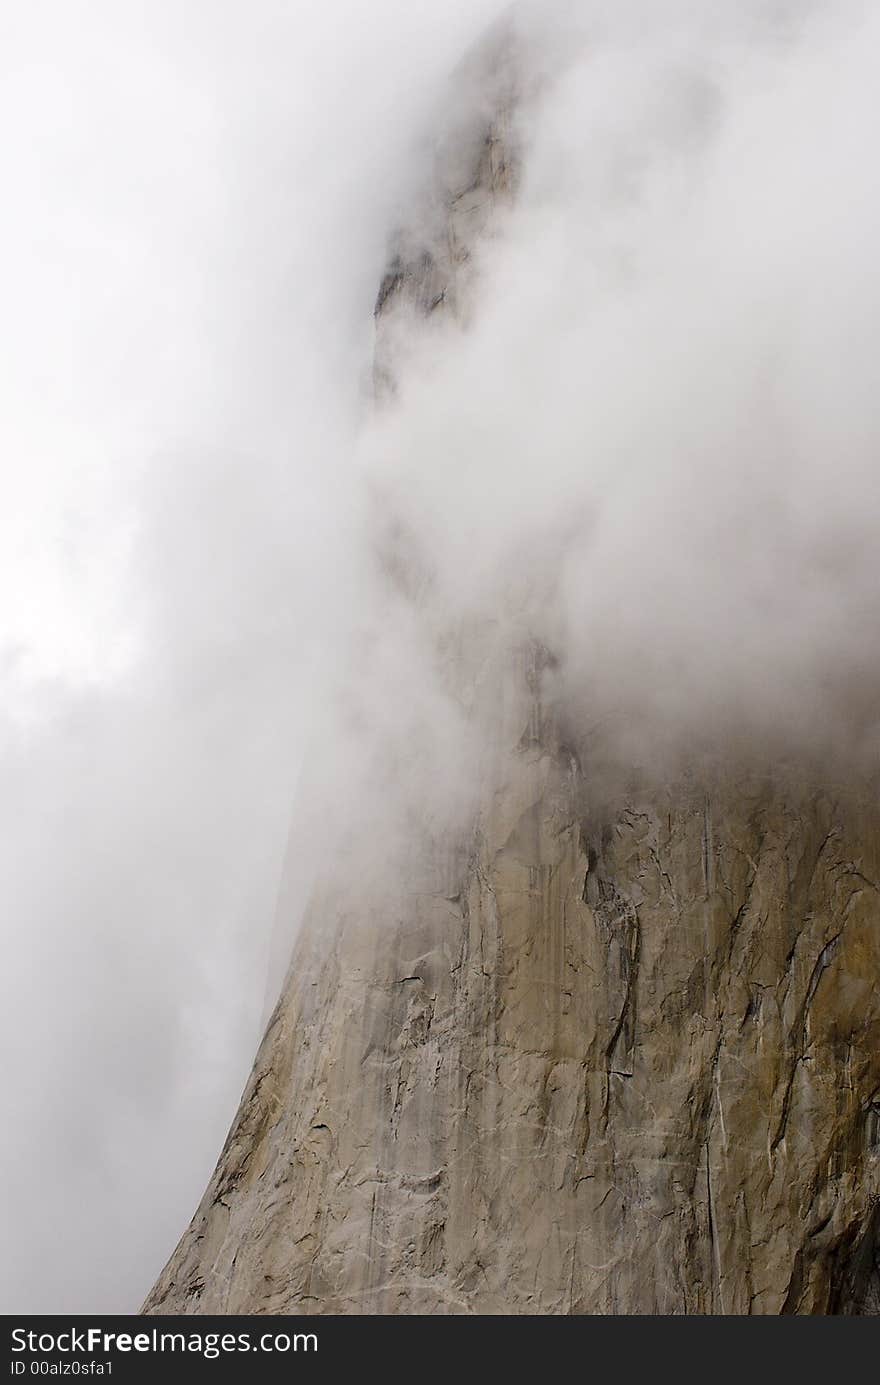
[{"x": 610, "y": 1045}]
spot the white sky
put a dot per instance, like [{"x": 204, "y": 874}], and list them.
[{"x": 196, "y": 199}]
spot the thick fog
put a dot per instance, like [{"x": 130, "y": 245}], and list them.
[
  {"x": 656, "y": 444},
  {"x": 196, "y": 204},
  {"x": 652, "y": 446}
]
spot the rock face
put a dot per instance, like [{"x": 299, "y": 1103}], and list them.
[
  {"x": 627, "y": 1063},
  {"x": 612, "y": 1047}
]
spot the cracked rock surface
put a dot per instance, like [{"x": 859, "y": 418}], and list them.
[{"x": 626, "y": 1060}]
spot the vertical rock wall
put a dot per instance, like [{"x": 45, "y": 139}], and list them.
[{"x": 613, "y": 1047}]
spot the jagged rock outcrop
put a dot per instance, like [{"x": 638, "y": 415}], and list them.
[{"x": 611, "y": 1047}]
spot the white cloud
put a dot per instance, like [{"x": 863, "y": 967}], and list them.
[{"x": 196, "y": 203}]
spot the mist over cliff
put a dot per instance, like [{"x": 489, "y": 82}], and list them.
[
  {"x": 649, "y": 445},
  {"x": 654, "y": 443},
  {"x": 646, "y": 439}
]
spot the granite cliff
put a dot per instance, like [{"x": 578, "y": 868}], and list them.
[{"x": 611, "y": 1045}]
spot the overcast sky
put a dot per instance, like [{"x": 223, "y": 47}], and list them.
[
  {"x": 654, "y": 448},
  {"x": 197, "y": 196}
]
